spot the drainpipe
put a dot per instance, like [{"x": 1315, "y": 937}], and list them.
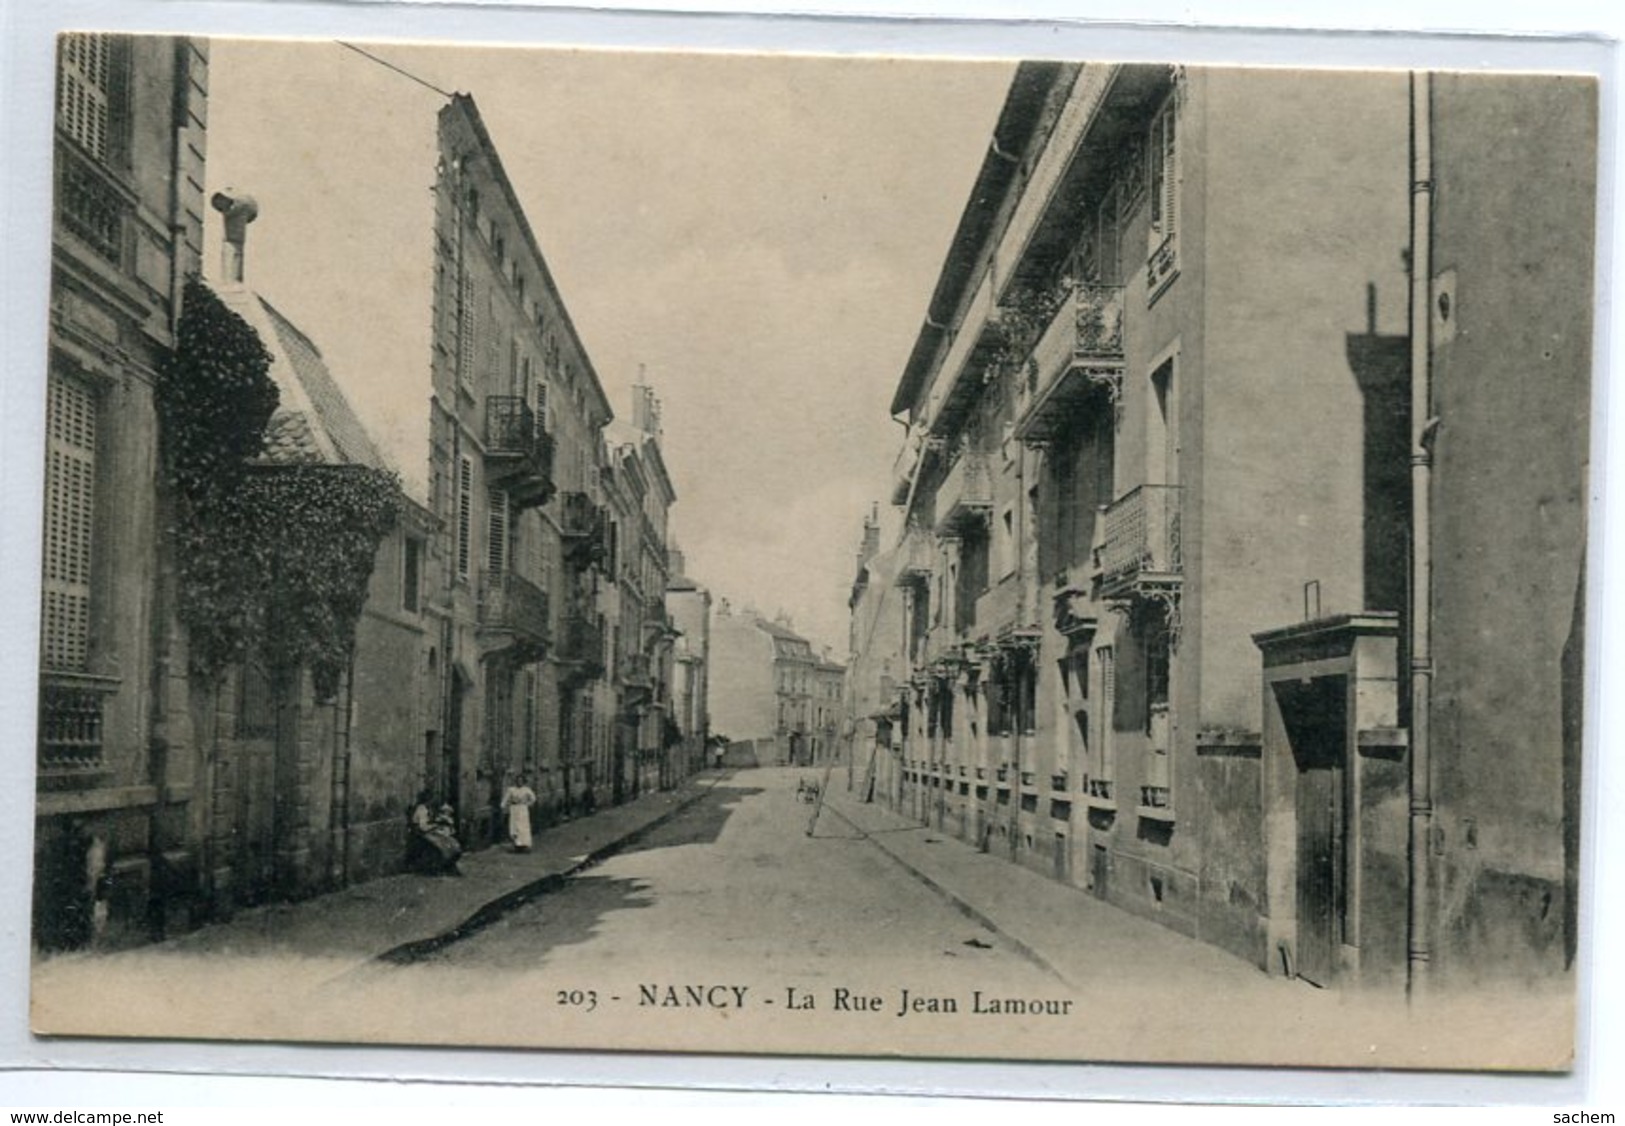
[{"x": 1422, "y": 427}]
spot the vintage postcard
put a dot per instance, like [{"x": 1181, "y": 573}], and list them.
[{"x": 867, "y": 556}]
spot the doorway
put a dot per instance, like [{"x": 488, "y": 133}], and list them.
[{"x": 1314, "y": 714}]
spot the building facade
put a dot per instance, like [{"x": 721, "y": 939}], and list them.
[
  {"x": 115, "y": 756},
  {"x": 648, "y": 748},
  {"x": 1160, "y": 518},
  {"x": 517, "y": 418},
  {"x": 688, "y": 608},
  {"x": 306, "y": 790}
]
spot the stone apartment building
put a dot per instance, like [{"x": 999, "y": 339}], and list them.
[
  {"x": 115, "y": 770},
  {"x": 1175, "y": 414},
  {"x": 645, "y": 752},
  {"x": 517, "y": 419},
  {"x": 688, "y": 609},
  {"x": 770, "y": 688}
]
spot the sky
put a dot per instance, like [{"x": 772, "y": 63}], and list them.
[{"x": 760, "y": 234}]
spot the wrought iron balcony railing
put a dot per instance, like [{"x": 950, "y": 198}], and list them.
[
  {"x": 518, "y": 452},
  {"x": 634, "y": 670},
  {"x": 966, "y": 491},
  {"x": 583, "y": 645},
  {"x": 1140, "y": 540},
  {"x": 514, "y": 605},
  {"x": 584, "y": 526},
  {"x": 1079, "y": 354}
]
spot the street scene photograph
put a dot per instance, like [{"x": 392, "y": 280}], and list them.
[{"x": 815, "y": 555}]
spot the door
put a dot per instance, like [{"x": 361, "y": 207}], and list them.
[
  {"x": 1315, "y": 720},
  {"x": 1100, "y": 871},
  {"x": 255, "y": 784}
]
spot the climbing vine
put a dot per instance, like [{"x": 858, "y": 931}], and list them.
[
  {"x": 273, "y": 559},
  {"x": 318, "y": 530}
]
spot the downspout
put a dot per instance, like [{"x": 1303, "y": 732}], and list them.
[{"x": 1417, "y": 950}]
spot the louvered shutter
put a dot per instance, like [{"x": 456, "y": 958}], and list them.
[
  {"x": 70, "y": 496},
  {"x": 84, "y": 72},
  {"x": 465, "y": 513}
]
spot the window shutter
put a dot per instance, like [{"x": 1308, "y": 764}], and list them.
[
  {"x": 1170, "y": 172},
  {"x": 83, "y": 76},
  {"x": 1107, "y": 659},
  {"x": 70, "y": 479},
  {"x": 467, "y": 330},
  {"x": 496, "y": 546},
  {"x": 465, "y": 513}
]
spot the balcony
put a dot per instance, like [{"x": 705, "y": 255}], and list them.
[
  {"x": 583, "y": 525},
  {"x": 514, "y": 610},
  {"x": 1139, "y": 550},
  {"x": 70, "y": 723},
  {"x": 583, "y": 647},
  {"x": 918, "y": 557},
  {"x": 966, "y": 492},
  {"x": 518, "y": 452},
  {"x": 908, "y": 463},
  {"x": 90, "y": 203},
  {"x": 1079, "y": 355},
  {"x": 633, "y": 671}
]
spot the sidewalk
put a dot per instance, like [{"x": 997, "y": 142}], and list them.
[
  {"x": 1076, "y": 937},
  {"x": 397, "y": 918}
]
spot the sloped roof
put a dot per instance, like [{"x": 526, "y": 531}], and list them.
[
  {"x": 333, "y": 413},
  {"x": 773, "y": 629},
  {"x": 289, "y": 440}
]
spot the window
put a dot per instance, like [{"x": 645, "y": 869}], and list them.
[
  {"x": 70, "y": 508},
  {"x": 468, "y": 329},
  {"x": 1163, "y": 248},
  {"x": 84, "y": 78},
  {"x": 1106, "y": 662},
  {"x": 465, "y": 514},
  {"x": 411, "y": 564}
]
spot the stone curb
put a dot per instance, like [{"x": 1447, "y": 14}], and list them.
[
  {"x": 489, "y": 912},
  {"x": 962, "y": 905}
]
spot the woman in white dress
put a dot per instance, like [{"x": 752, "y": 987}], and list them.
[{"x": 518, "y": 799}]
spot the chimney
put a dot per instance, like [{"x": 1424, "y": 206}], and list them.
[
  {"x": 645, "y": 407},
  {"x": 871, "y": 537},
  {"x": 239, "y": 211}
]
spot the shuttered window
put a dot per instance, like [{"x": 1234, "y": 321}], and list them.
[
  {"x": 1106, "y": 661},
  {"x": 496, "y": 539},
  {"x": 83, "y": 77},
  {"x": 1164, "y": 176},
  {"x": 70, "y": 504},
  {"x": 467, "y": 330},
  {"x": 465, "y": 514}
]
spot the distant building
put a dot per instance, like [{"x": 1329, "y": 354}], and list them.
[
  {"x": 648, "y": 746},
  {"x": 769, "y": 687},
  {"x": 688, "y": 608},
  {"x": 876, "y": 666}
]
